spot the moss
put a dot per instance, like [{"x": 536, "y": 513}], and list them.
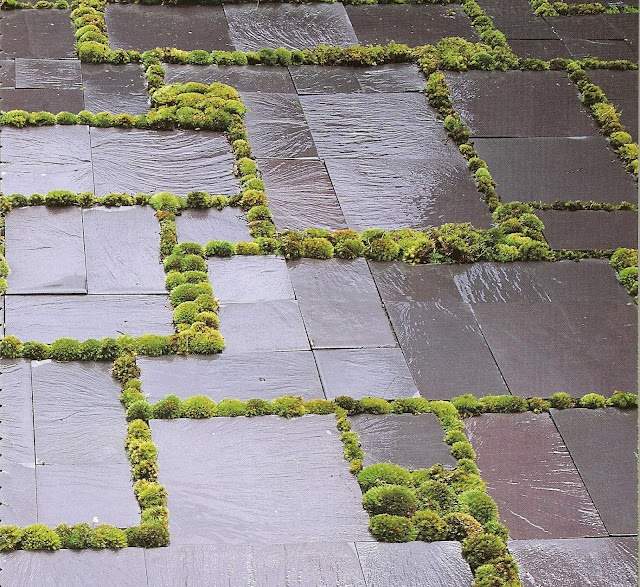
[
  {"x": 139, "y": 410},
  {"x": 37, "y": 351},
  {"x": 198, "y": 406},
  {"x": 383, "y": 474},
  {"x": 258, "y": 407},
  {"x": 188, "y": 292},
  {"x": 288, "y": 406},
  {"x": 504, "y": 404},
  {"x": 624, "y": 401},
  {"x": 388, "y": 528},
  {"x": 410, "y": 405},
  {"x": 39, "y": 537},
  {"x": 125, "y": 368},
  {"x": 479, "y": 504},
  {"x": 374, "y": 405},
  {"x": 231, "y": 408},
  {"x": 10, "y": 537},
  {"x": 397, "y": 500},
  {"x": 168, "y": 407},
  {"x": 430, "y": 527},
  {"x": 148, "y": 535},
  {"x": 480, "y": 549},
  {"x": 382, "y": 249},
  {"x": 220, "y": 249},
  {"x": 108, "y": 537},
  {"x": 561, "y": 401},
  {"x": 247, "y": 248},
  {"x": 65, "y": 349},
  {"x": 75, "y": 537},
  {"x": 460, "y": 525},
  {"x": 592, "y": 401},
  {"x": 350, "y": 248},
  {"x": 318, "y": 248},
  {"x": 455, "y": 436},
  {"x": 437, "y": 496},
  {"x": 319, "y": 406}
]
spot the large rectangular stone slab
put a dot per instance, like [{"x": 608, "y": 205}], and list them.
[
  {"x": 114, "y": 88},
  {"x": 534, "y": 482},
  {"x": 42, "y": 100},
  {"x": 47, "y": 73},
  {"x": 517, "y": 20},
  {"x": 266, "y": 497},
  {"x": 202, "y": 226},
  {"x": 603, "y": 445},
  {"x": 45, "y": 250},
  {"x": 38, "y": 34}
]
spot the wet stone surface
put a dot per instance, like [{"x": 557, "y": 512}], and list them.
[
  {"x": 602, "y": 444},
  {"x": 7, "y": 73},
  {"x": 114, "y": 88},
  {"x": 537, "y": 488},
  {"x": 517, "y": 20},
  {"x": 539, "y": 49},
  {"x": 48, "y": 73},
  {"x": 37, "y": 34},
  {"x": 606, "y": 50},
  {"x": 621, "y": 88},
  {"x": 212, "y": 494},
  {"x": 202, "y": 226},
  {"x": 411, "y": 441},
  {"x": 46, "y": 100}
]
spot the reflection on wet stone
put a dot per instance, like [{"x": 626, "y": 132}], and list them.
[
  {"x": 37, "y": 34},
  {"x": 202, "y": 226},
  {"x": 114, "y": 88}
]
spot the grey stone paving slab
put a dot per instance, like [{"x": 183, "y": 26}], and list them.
[
  {"x": 202, "y": 226},
  {"x": 539, "y": 48},
  {"x": 300, "y": 565},
  {"x": 576, "y": 562},
  {"x": 177, "y": 161},
  {"x": 7, "y": 73},
  {"x": 213, "y": 496},
  {"x": 517, "y": 20},
  {"x": 408, "y": 440},
  {"x": 18, "y": 494},
  {"x": 263, "y": 375},
  {"x": 288, "y": 25},
  {"x": 586, "y": 26},
  {"x": 413, "y": 564},
  {"x": 381, "y": 372},
  {"x": 32, "y": 161},
  {"x": 123, "y": 251},
  {"x": 47, "y": 73},
  {"x": 125, "y": 568},
  {"x": 48, "y": 317},
  {"x": 535, "y": 483},
  {"x": 603, "y": 445},
  {"x": 44, "y": 99},
  {"x": 45, "y": 250},
  {"x": 248, "y": 279},
  {"x": 621, "y": 88},
  {"x": 607, "y": 50},
  {"x": 114, "y": 88},
  {"x": 261, "y": 327},
  {"x": 39, "y": 34}
]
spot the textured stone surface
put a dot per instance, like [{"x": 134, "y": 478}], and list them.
[
  {"x": 114, "y": 88},
  {"x": 202, "y": 226},
  {"x": 37, "y": 34}
]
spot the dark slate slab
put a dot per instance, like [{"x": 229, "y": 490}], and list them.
[
  {"x": 519, "y": 104},
  {"x": 584, "y": 346},
  {"x": 114, "y": 88},
  {"x": 18, "y": 493},
  {"x": 588, "y": 229},
  {"x": 71, "y": 568},
  {"x": 365, "y": 372},
  {"x": 48, "y": 73},
  {"x": 601, "y": 49},
  {"x": 38, "y": 34},
  {"x": 535, "y": 483},
  {"x": 299, "y": 565},
  {"x": 7, "y": 73},
  {"x": 245, "y": 78},
  {"x": 32, "y": 161},
  {"x": 627, "y": 25},
  {"x": 389, "y": 78},
  {"x": 150, "y": 161},
  {"x": 78, "y": 416},
  {"x": 264, "y": 375},
  {"x": 445, "y": 349},
  {"x": 288, "y": 25},
  {"x": 517, "y": 20},
  {"x": 589, "y": 26},
  {"x": 603, "y": 445},
  {"x": 621, "y": 88},
  {"x": 414, "y": 564},
  {"x": 412, "y": 441},
  {"x": 202, "y": 226},
  {"x": 45, "y": 250},
  {"x": 539, "y": 49},
  {"x": 301, "y": 194},
  {"x": 261, "y": 327},
  {"x": 277, "y": 126},
  {"x": 48, "y": 100},
  {"x": 48, "y": 317},
  {"x": 576, "y": 562},
  {"x": 212, "y": 493},
  {"x": 411, "y": 24},
  {"x": 249, "y": 279},
  {"x": 132, "y": 26},
  {"x": 123, "y": 251},
  {"x": 551, "y": 169},
  {"x": 408, "y": 192}
]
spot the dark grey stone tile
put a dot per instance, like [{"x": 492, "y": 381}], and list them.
[
  {"x": 47, "y": 99},
  {"x": 288, "y": 25},
  {"x": 539, "y": 48},
  {"x": 265, "y": 375},
  {"x": 212, "y": 493},
  {"x": 19, "y": 503},
  {"x": 32, "y": 161},
  {"x": 589, "y": 26},
  {"x": 517, "y": 20},
  {"x": 114, "y": 88},
  {"x": 604, "y": 49},
  {"x": 380, "y": 372},
  {"x": 620, "y": 86},
  {"x": 603, "y": 445},
  {"x": 48, "y": 73},
  {"x": 47, "y": 317},
  {"x": 202, "y": 226},
  {"x": 123, "y": 251},
  {"x": 38, "y": 34},
  {"x": 7, "y": 73},
  {"x": 150, "y": 161},
  {"x": 411, "y": 441},
  {"x": 45, "y": 250},
  {"x": 535, "y": 483}
]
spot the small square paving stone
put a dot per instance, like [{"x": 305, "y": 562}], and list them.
[
  {"x": 603, "y": 445},
  {"x": 46, "y": 100},
  {"x": 264, "y": 326},
  {"x": 590, "y": 229},
  {"x": 32, "y": 161},
  {"x": 132, "y": 26},
  {"x": 250, "y": 278},
  {"x": 519, "y": 104},
  {"x": 125, "y": 568},
  {"x": 45, "y": 250},
  {"x": 150, "y": 161},
  {"x": 577, "y": 562},
  {"x": 48, "y": 73},
  {"x": 413, "y": 564},
  {"x": 39, "y": 34},
  {"x": 294, "y": 565},
  {"x": 291, "y": 484},
  {"x": 123, "y": 251},
  {"x": 202, "y": 226},
  {"x": 254, "y": 27},
  {"x": 413, "y": 24},
  {"x": 114, "y": 88},
  {"x": 408, "y": 440},
  {"x": 531, "y": 475},
  {"x": 301, "y": 194},
  {"x": 264, "y": 375},
  {"x": 361, "y": 373},
  {"x": 47, "y": 317},
  {"x": 550, "y": 169}
]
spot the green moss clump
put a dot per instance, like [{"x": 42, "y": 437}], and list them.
[
  {"x": 231, "y": 408},
  {"x": 383, "y": 474},
  {"x": 198, "y": 406},
  {"x": 479, "y": 504},
  {"x": 288, "y": 406},
  {"x": 561, "y": 401},
  {"x": 65, "y": 349},
  {"x": 436, "y": 496},
  {"x": 430, "y": 527},
  {"x": 168, "y": 407},
  {"x": 39, "y": 537},
  {"x": 10, "y": 537},
  {"x": 592, "y": 401},
  {"x": 388, "y": 528},
  {"x": 396, "y": 500},
  {"x": 460, "y": 525},
  {"x": 480, "y": 549}
]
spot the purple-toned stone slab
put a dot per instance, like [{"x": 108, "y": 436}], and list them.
[
  {"x": 47, "y": 73},
  {"x": 202, "y": 226},
  {"x": 38, "y": 34},
  {"x": 44, "y": 99},
  {"x": 114, "y": 88}
]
